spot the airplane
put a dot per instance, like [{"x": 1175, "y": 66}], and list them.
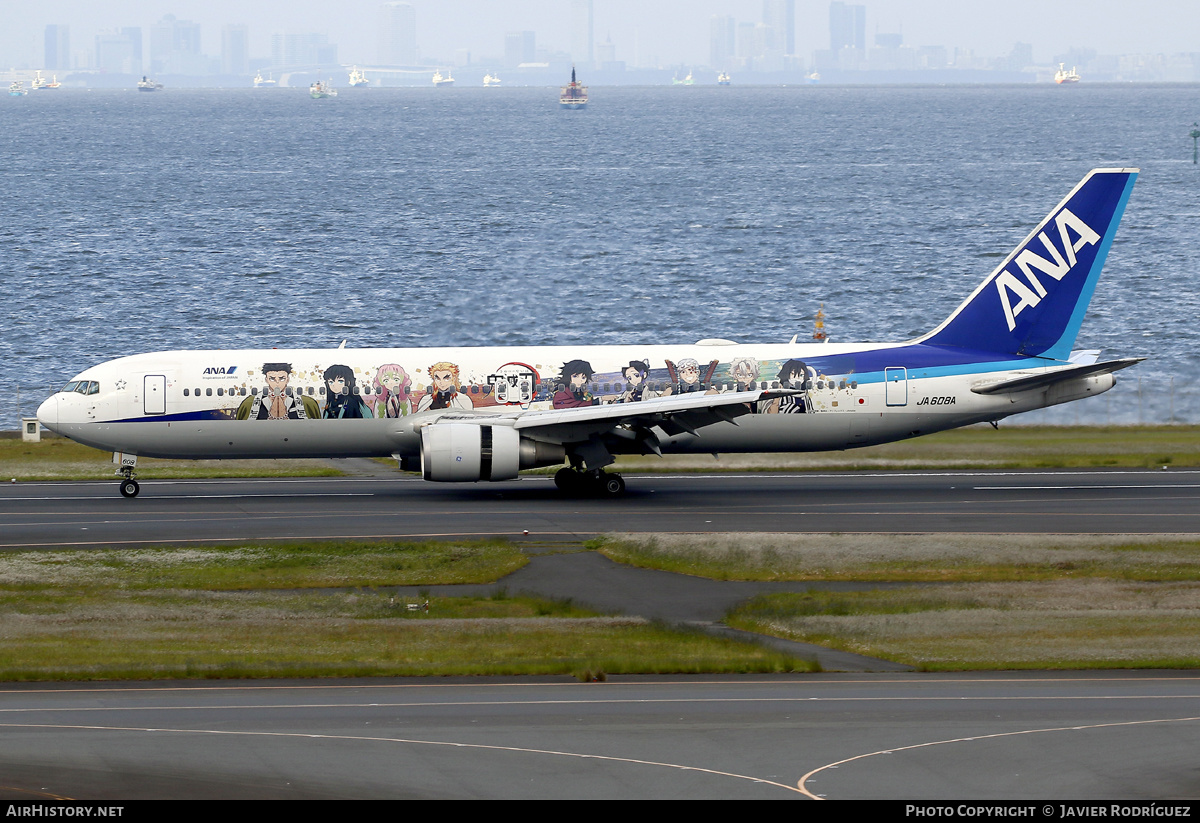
[{"x": 484, "y": 414}]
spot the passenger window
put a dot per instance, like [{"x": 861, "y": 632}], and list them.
[
  {"x": 220, "y": 392},
  {"x": 288, "y": 391},
  {"x": 185, "y": 392},
  {"x": 254, "y": 391},
  {"x": 208, "y": 392},
  {"x": 310, "y": 391}
]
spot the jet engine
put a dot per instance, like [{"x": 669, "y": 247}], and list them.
[{"x": 468, "y": 453}]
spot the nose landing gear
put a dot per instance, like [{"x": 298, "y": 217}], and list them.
[{"x": 126, "y": 463}]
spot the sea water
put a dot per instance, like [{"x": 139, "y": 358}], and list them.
[{"x": 470, "y": 216}]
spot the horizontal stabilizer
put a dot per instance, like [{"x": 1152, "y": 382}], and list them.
[{"x": 1049, "y": 378}]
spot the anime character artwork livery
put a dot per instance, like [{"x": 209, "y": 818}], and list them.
[{"x": 483, "y": 414}]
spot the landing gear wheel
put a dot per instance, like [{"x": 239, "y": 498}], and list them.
[
  {"x": 611, "y": 485},
  {"x": 567, "y": 480},
  {"x": 130, "y": 488}
]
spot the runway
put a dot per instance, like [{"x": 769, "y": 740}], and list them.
[
  {"x": 893, "y": 735},
  {"x": 1010, "y": 736},
  {"x": 43, "y": 515}
]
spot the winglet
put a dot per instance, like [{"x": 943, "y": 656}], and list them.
[{"x": 1033, "y": 303}]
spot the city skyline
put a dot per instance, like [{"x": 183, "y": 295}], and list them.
[{"x": 669, "y": 32}]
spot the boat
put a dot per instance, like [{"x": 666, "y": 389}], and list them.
[
  {"x": 319, "y": 90},
  {"x": 358, "y": 78},
  {"x": 1063, "y": 76},
  {"x": 40, "y": 82},
  {"x": 723, "y": 79},
  {"x": 15, "y": 89},
  {"x": 260, "y": 83},
  {"x": 687, "y": 81},
  {"x": 146, "y": 84},
  {"x": 815, "y": 77},
  {"x": 573, "y": 95},
  {"x": 490, "y": 79},
  {"x": 438, "y": 80}
]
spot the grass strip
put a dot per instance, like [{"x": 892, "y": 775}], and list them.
[
  {"x": 319, "y": 611},
  {"x": 57, "y": 458},
  {"x": 1041, "y": 625},
  {"x": 287, "y": 566},
  {"x": 941, "y": 557}
]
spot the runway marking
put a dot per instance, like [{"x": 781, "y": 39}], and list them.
[
  {"x": 200, "y": 496},
  {"x": 615, "y": 701},
  {"x": 1091, "y": 487},
  {"x": 435, "y": 683},
  {"x": 415, "y": 742},
  {"x": 296, "y": 538},
  {"x": 804, "y": 790}
]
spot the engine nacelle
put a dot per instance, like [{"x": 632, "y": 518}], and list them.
[{"x": 468, "y": 453}]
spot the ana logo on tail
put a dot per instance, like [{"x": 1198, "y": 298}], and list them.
[{"x": 1028, "y": 296}]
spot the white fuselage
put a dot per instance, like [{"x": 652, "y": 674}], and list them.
[{"x": 218, "y": 404}]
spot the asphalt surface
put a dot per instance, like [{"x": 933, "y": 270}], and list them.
[
  {"x": 195, "y": 511},
  {"x": 866, "y": 735},
  {"x": 1012, "y": 736}
]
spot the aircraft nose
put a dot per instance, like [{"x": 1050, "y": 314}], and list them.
[{"x": 47, "y": 413}]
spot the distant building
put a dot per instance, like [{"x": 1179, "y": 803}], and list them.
[
  {"x": 847, "y": 27},
  {"x": 752, "y": 46},
  {"x": 847, "y": 39},
  {"x": 294, "y": 50},
  {"x": 722, "y": 41},
  {"x": 235, "y": 49},
  {"x": 120, "y": 52},
  {"x": 520, "y": 47},
  {"x": 606, "y": 53},
  {"x": 58, "y": 48},
  {"x": 175, "y": 47},
  {"x": 398, "y": 35},
  {"x": 582, "y": 34},
  {"x": 779, "y": 17}
]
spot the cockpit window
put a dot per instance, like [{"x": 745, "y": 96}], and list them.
[{"x": 82, "y": 387}]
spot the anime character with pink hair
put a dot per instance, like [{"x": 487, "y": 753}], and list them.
[{"x": 392, "y": 398}]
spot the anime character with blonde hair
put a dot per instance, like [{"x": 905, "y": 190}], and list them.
[
  {"x": 392, "y": 398},
  {"x": 443, "y": 392}
]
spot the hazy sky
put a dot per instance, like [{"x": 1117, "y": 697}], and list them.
[{"x": 673, "y": 31}]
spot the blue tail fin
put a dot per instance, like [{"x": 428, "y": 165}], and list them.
[{"x": 1034, "y": 302}]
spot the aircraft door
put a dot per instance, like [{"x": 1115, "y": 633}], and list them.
[
  {"x": 896, "y": 385},
  {"x": 155, "y": 394}
]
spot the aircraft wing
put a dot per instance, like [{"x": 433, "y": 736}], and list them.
[
  {"x": 674, "y": 414},
  {"x": 1049, "y": 378}
]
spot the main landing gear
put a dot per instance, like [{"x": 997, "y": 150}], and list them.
[
  {"x": 597, "y": 482},
  {"x": 130, "y": 487}
]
